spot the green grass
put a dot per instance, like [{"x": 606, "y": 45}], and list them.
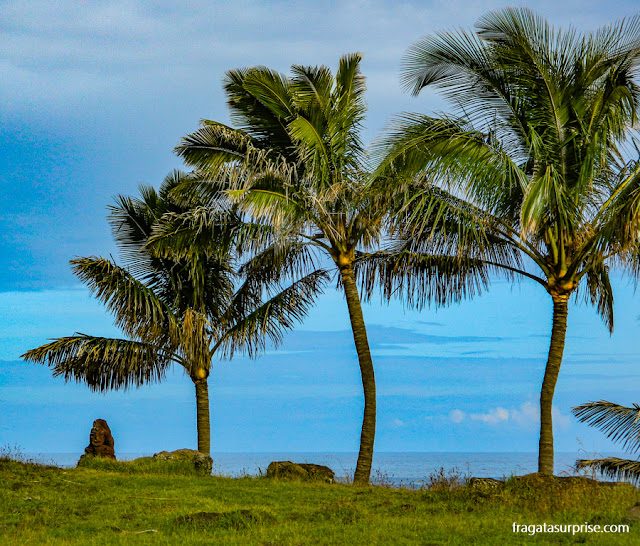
[
  {"x": 143, "y": 465},
  {"x": 122, "y": 503}
]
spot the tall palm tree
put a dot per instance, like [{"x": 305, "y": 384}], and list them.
[
  {"x": 530, "y": 176},
  {"x": 175, "y": 310},
  {"x": 296, "y": 163}
]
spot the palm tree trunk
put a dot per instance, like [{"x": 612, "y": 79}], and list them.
[
  {"x": 202, "y": 416},
  {"x": 367, "y": 436},
  {"x": 556, "y": 349}
]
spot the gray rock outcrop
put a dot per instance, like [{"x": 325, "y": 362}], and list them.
[
  {"x": 202, "y": 463},
  {"x": 306, "y": 472}
]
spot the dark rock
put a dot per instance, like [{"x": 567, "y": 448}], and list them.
[
  {"x": 306, "y": 472},
  {"x": 318, "y": 473},
  {"x": 202, "y": 463},
  {"x": 484, "y": 483},
  {"x": 286, "y": 470},
  {"x": 101, "y": 442}
]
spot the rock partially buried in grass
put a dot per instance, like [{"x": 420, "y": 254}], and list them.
[
  {"x": 101, "y": 443},
  {"x": 484, "y": 483},
  {"x": 306, "y": 472},
  {"x": 202, "y": 463}
]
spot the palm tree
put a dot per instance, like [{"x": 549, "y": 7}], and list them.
[
  {"x": 297, "y": 164},
  {"x": 530, "y": 176},
  {"x": 174, "y": 310},
  {"x": 620, "y": 424}
]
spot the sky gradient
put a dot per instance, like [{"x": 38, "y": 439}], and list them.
[{"x": 94, "y": 99}]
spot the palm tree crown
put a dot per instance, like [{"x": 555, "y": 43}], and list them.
[{"x": 175, "y": 310}]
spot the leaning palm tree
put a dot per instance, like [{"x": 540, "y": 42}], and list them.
[
  {"x": 174, "y": 310},
  {"x": 530, "y": 176},
  {"x": 296, "y": 163},
  {"x": 620, "y": 424}
]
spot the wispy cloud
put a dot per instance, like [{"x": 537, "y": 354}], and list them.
[
  {"x": 52, "y": 52},
  {"x": 496, "y": 415},
  {"x": 398, "y": 423},
  {"x": 525, "y": 416},
  {"x": 457, "y": 416}
]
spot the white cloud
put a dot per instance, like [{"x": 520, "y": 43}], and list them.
[
  {"x": 496, "y": 415},
  {"x": 526, "y": 416}
]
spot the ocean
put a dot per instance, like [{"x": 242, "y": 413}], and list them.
[{"x": 394, "y": 469}]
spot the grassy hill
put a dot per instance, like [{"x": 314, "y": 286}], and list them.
[{"x": 125, "y": 503}]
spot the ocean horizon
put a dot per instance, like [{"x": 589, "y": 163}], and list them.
[{"x": 402, "y": 469}]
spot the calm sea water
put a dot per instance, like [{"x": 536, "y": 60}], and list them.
[{"x": 400, "y": 469}]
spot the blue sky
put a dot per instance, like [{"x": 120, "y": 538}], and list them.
[{"x": 95, "y": 97}]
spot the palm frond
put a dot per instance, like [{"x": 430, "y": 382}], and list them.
[
  {"x": 311, "y": 88},
  {"x": 346, "y": 121},
  {"x": 621, "y": 424},
  {"x": 449, "y": 152},
  {"x": 132, "y": 222},
  {"x": 229, "y": 157},
  {"x": 283, "y": 259},
  {"x": 429, "y": 220},
  {"x": 617, "y": 220},
  {"x": 612, "y": 468},
  {"x": 599, "y": 291},
  {"x": 212, "y": 145},
  {"x": 421, "y": 279},
  {"x": 137, "y": 309},
  {"x": 202, "y": 230},
  {"x": 104, "y": 363},
  {"x": 273, "y": 317},
  {"x": 276, "y": 207}
]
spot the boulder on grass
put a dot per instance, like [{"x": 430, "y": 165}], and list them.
[
  {"x": 484, "y": 483},
  {"x": 202, "y": 463},
  {"x": 101, "y": 443},
  {"x": 306, "y": 472}
]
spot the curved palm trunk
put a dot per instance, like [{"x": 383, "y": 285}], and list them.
[
  {"x": 556, "y": 349},
  {"x": 367, "y": 436},
  {"x": 202, "y": 416}
]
